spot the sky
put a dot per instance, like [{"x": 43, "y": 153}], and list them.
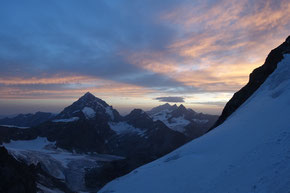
[{"x": 133, "y": 53}]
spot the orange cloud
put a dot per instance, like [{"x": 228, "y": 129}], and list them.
[
  {"x": 219, "y": 44},
  {"x": 65, "y": 87}
]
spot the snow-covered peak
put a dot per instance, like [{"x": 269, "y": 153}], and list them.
[
  {"x": 183, "y": 120},
  {"x": 165, "y": 107}
]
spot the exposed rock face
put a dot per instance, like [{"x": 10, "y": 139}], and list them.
[
  {"x": 15, "y": 176},
  {"x": 257, "y": 78},
  {"x": 8, "y": 133}
]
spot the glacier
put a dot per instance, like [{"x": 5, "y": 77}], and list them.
[{"x": 61, "y": 164}]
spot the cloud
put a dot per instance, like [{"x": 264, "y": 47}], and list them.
[
  {"x": 88, "y": 39},
  {"x": 170, "y": 99},
  {"x": 135, "y": 48}
]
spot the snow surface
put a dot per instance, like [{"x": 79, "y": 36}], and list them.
[
  {"x": 89, "y": 112},
  {"x": 72, "y": 119},
  {"x": 14, "y": 126},
  {"x": 249, "y": 152},
  {"x": 121, "y": 128}
]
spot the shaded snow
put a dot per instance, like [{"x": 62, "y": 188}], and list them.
[
  {"x": 72, "y": 119},
  {"x": 14, "y": 126},
  {"x": 38, "y": 144},
  {"x": 178, "y": 123},
  {"x": 249, "y": 152},
  {"x": 124, "y": 128},
  {"x": 162, "y": 115},
  {"x": 89, "y": 112}
]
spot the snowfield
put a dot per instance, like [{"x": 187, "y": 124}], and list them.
[
  {"x": 89, "y": 112},
  {"x": 249, "y": 152},
  {"x": 121, "y": 128}
]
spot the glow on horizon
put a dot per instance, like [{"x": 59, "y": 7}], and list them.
[{"x": 202, "y": 51}]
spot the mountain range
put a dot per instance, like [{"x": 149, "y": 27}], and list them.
[{"x": 100, "y": 138}]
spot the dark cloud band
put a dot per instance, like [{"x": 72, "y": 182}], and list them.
[{"x": 170, "y": 99}]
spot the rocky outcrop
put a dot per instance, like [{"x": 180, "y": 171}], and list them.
[{"x": 15, "y": 176}]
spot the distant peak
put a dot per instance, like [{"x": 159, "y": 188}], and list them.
[
  {"x": 137, "y": 111},
  {"x": 166, "y": 105},
  {"x": 88, "y": 94},
  {"x": 181, "y": 106},
  {"x": 90, "y": 99}
]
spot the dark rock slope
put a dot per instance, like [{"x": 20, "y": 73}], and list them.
[
  {"x": 27, "y": 120},
  {"x": 257, "y": 78},
  {"x": 15, "y": 176}
]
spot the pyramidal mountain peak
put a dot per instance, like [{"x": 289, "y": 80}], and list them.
[
  {"x": 89, "y": 98},
  {"x": 87, "y": 106}
]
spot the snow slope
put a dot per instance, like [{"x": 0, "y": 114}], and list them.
[{"x": 249, "y": 152}]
